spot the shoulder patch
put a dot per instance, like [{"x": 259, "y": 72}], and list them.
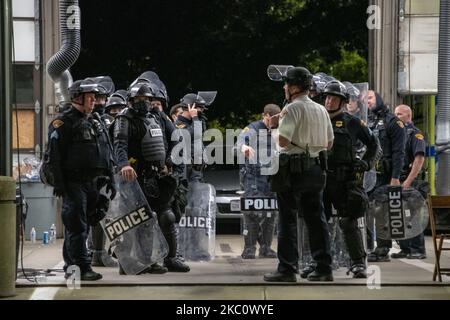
[
  {"x": 363, "y": 123},
  {"x": 419, "y": 136},
  {"x": 339, "y": 124},
  {"x": 283, "y": 112},
  {"x": 246, "y": 129},
  {"x": 180, "y": 125},
  {"x": 401, "y": 124},
  {"x": 57, "y": 123}
]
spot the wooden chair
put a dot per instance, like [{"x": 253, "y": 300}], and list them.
[{"x": 438, "y": 202}]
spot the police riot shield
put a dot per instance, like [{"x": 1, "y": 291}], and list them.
[
  {"x": 277, "y": 72},
  {"x": 399, "y": 214},
  {"x": 132, "y": 229},
  {"x": 304, "y": 251},
  {"x": 197, "y": 228},
  {"x": 338, "y": 247},
  {"x": 357, "y": 104},
  {"x": 370, "y": 180}
]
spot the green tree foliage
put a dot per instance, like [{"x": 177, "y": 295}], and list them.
[{"x": 223, "y": 45}]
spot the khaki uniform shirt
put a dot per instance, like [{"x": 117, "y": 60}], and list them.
[{"x": 304, "y": 122}]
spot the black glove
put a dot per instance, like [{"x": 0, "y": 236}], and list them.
[
  {"x": 110, "y": 187},
  {"x": 361, "y": 166},
  {"x": 99, "y": 213},
  {"x": 59, "y": 191},
  {"x": 102, "y": 181}
]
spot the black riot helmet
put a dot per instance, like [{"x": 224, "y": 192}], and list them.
[
  {"x": 140, "y": 90},
  {"x": 80, "y": 87},
  {"x": 192, "y": 98},
  {"x": 298, "y": 76},
  {"x": 159, "y": 91},
  {"x": 115, "y": 102},
  {"x": 121, "y": 94},
  {"x": 336, "y": 88}
]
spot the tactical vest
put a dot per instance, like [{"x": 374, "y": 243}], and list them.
[
  {"x": 89, "y": 148},
  {"x": 343, "y": 151},
  {"x": 379, "y": 129},
  {"x": 152, "y": 144}
]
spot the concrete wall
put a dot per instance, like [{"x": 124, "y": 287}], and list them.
[{"x": 383, "y": 56}]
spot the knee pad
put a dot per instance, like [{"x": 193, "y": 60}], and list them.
[{"x": 166, "y": 218}]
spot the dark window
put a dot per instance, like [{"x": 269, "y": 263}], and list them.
[{"x": 24, "y": 76}]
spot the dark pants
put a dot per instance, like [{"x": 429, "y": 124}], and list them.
[
  {"x": 343, "y": 195},
  {"x": 305, "y": 199},
  {"x": 159, "y": 192},
  {"x": 81, "y": 198},
  {"x": 413, "y": 245}
]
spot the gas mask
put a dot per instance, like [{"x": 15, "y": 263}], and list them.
[{"x": 142, "y": 107}]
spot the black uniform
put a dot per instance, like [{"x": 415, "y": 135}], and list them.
[
  {"x": 79, "y": 152},
  {"x": 392, "y": 136},
  {"x": 193, "y": 171},
  {"x": 344, "y": 188},
  {"x": 144, "y": 143},
  {"x": 415, "y": 145},
  {"x": 96, "y": 243}
]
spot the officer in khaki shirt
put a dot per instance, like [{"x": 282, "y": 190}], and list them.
[{"x": 305, "y": 133}]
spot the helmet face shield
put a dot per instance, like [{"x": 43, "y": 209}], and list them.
[
  {"x": 358, "y": 105},
  {"x": 336, "y": 88},
  {"x": 207, "y": 96},
  {"x": 80, "y": 87},
  {"x": 89, "y": 88},
  {"x": 278, "y": 72}
]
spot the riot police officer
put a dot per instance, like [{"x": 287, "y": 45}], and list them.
[
  {"x": 191, "y": 120},
  {"x": 106, "y": 88},
  {"x": 305, "y": 133},
  {"x": 115, "y": 105},
  {"x": 392, "y": 136},
  {"x": 100, "y": 257},
  {"x": 412, "y": 176},
  {"x": 259, "y": 226},
  {"x": 344, "y": 188},
  {"x": 79, "y": 154},
  {"x": 353, "y": 106},
  {"x": 175, "y": 111},
  {"x": 160, "y": 100},
  {"x": 142, "y": 152}
]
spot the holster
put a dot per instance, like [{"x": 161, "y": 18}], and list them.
[
  {"x": 323, "y": 160},
  {"x": 281, "y": 181}
]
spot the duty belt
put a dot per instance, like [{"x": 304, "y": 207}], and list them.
[{"x": 298, "y": 163}]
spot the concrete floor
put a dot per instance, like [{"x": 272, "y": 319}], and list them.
[{"x": 230, "y": 277}]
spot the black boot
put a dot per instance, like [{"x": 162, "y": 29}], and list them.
[
  {"x": 249, "y": 253},
  {"x": 175, "y": 264},
  {"x": 100, "y": 258},
  {"x": 172, "y": 262},
  {"x": 306, "y": 271},
  {"x": 267, "y": 252},
  {"x": 358, "y": 270},
  {"x": 320, "y": 276}
]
